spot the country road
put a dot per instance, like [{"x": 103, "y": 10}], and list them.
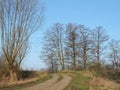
[{"x": 52, "y": 84}]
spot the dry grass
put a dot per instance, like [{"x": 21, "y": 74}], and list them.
[
  {"x": 88, "y": 74},
  {"x": 68, "y": 71},
  {"x": 98, "y": 83}
]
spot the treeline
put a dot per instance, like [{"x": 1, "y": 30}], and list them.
[{"x": 78, "y": 47}]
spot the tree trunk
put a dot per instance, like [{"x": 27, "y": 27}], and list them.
[
  {"x": 52, "y": 65},
  {"x": 13, "y": 75},
  {"x": 98, "y": 51},
  {"x": 63, "y": 66},
  {"x": 85, "y": 57},
  {"x": 74, "y": 59}
]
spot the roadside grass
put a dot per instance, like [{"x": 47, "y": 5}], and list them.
[
  {"x": 87, "y": 80},
  {"x": 60, "y": 77},
  {"x": 79, "y": 82},
  {"x": 99, "y": 83},
  {"x": 21, "y": 86}
]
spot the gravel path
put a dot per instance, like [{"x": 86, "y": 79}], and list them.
[{"x": 52, "y": 84}]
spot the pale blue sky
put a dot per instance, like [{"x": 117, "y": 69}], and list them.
[{"x": 92, "y": 13}]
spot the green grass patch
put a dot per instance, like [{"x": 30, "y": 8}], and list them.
[
  {"x": 21, "y": 86},
  {"x": 79, "y": 82}
]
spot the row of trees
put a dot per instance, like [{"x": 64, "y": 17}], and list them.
[
  {"x": 19, "y": 19},
  {"x": 77, "y": 47}
]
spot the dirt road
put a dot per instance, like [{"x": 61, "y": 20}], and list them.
[{"x": 52, "y": 84}]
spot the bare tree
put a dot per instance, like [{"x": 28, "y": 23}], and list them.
[
  {"x": 71, "y": 43},
  {"x": 85, "y": 44},
  {"x": 53, "y": 44},
  {"x": 115, "y": 54},
  {"x": 49, "y": 58},
  {"x": 19, "y": 19},
  {"x": 99, "y": 39},
  {"x": 48, "y": 53}
]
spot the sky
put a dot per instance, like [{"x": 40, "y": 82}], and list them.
[{"x": 91, "y": 13}]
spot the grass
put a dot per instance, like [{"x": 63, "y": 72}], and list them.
[
  {"x": 99, "y": 83},
  {"x": 86, "y": 80},
  {"x": 79, "y": 82},
  {"x": 21, "y": 86},
  {"x": 60, "y": 77}
]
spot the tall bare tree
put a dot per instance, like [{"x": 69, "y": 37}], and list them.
[
  {"x": 48, "y": 53},
  {"x": 99, "y": 39},
  {"x": 71, "y": 43},
  {"x": 53, "y": 44},
  {"x": 114, "y": 55},
  {"x": 85, "y": 44},
  {"x": 19, "y": 19}
]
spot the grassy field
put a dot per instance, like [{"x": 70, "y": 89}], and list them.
[{"x": 20, "y": 86}]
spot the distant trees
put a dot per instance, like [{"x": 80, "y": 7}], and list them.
[
  {"x": 19, "y": 19},
  {"x": 78, "y": 44},
  {"x": 74, "y": 46}
]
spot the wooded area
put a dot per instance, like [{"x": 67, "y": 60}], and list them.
[{"x": 78, "y": 47}]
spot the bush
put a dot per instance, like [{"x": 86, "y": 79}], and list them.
[{"x": 26, "y": 74}]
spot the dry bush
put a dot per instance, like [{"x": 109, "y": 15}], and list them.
[{"x": 30, "y": 74}]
